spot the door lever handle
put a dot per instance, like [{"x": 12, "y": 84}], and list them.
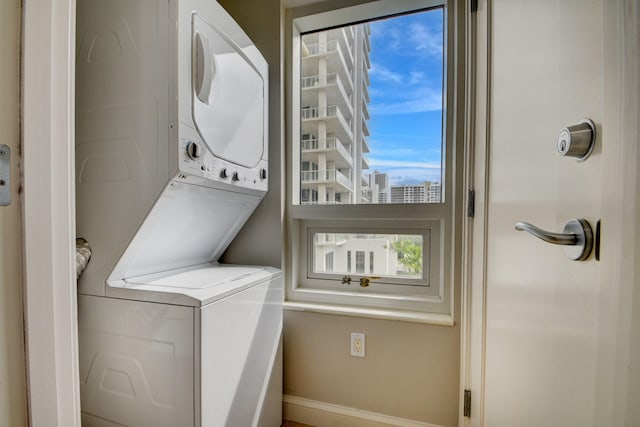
[
  {"x": 548, "y": 236},
  {"x": 577, "y": 237}
]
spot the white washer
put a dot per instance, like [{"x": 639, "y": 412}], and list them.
[
  {"x": 215, "y": 361},
  {"x": 171, "y": 160}
]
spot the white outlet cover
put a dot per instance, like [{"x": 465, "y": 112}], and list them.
[{"x": 357, "y": 344}]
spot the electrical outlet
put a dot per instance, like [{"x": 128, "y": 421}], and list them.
[{"x": 357, "y": 344}]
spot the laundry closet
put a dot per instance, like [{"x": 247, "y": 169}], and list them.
[{"x": 172, "y": 145}]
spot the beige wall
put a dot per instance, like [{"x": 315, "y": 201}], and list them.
[
  {"x": 411, "y": 370},
  {"x": 260, "y": 241},
  {"x": 12, "y": 373}
]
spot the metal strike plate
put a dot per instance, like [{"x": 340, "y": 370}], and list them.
[{"x": 5, "y": 175}]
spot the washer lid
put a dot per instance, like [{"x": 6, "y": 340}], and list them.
[
  {"x": 188, "y": 225},
  {"x": 228, "y": 99},
  {"x": 201, "y": 277}
]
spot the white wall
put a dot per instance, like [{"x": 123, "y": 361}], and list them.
[{"x": 12, "y": 365}]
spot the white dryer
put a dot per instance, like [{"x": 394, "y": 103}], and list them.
[{"x": 171, "y": 160}]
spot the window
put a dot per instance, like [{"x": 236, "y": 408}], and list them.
[
  {"x": 372, "y": 137},
  {"x": 328, "y": 262},
  {"x": 359, "y": 261},
  {"x": 371, "y": 262}
]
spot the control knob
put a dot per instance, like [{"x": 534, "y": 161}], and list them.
[
  {"x": 236, "y": 176},
  {"x": 194, "y": 151},
  {"x": 224, "y": 174},
  {"x": 263, "y": 173}
]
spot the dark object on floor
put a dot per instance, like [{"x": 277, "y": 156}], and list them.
[{"x": 83, "y": 255}]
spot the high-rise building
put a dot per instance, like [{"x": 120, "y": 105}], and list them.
[
  {"x": 384, "y": 189},
  {"x": 432, "y": 192},
  {"x": 334, "y": 97},
  {"x": 407, "y": 194},
  {"x": 427, "y": 192}
]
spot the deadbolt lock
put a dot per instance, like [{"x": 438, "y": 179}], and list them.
[{"x": 578, "y": 140}]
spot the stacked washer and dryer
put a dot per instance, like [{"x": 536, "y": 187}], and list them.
[{"x": 171, "y": 160}]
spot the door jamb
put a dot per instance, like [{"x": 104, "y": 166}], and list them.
[
  {"x": 48, "y": 204},
  {"x": 477, "y": 136}
]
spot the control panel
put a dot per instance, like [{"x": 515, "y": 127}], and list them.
[{"x": 194, "y": 159}]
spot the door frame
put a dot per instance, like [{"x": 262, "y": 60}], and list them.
[
  {"x": 48, "y": 210},
  {"x": 620, "y": 304}
]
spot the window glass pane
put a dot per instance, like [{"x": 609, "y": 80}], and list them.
[
  {"x": 372, "y": 111},
  {"x": 371, "y": 262},
  {"x": 395, "y": 255},
  {"x": 359, "y": 261},
  {"x": 328, "y": 261}
]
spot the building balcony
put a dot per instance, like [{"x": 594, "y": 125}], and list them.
[
  {"x": 350, "y": 33},
  {"x": 334, "y": 91},
  {"x": 324, "y": 80},
  {"x": 346, "y": 44},
  {"x": 365, "y": 93},
  {"x": 367, "y": 195},
  {"x": 365, "y": 163},
  {"x": 365, "y": 129},
  {"x": 313, "y": 49},
  {"x": 333, "y": 53},
  {"x": 335, "y": 122},
  {"x": 335, "y": 150},
  {"x": 367, "y": 42},
  {"x": 365, "y": 111},
  {"x": 329, "y": 239},
  {"x": 365, "y": 145},
  {"x": 329, "y": 176}
]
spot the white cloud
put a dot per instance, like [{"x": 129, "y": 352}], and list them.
[
  {"x": 404, "y": 164},
  {"x": 415, "y": 38},
  {"x": 414, "y": 101},
  {"x": 385, "y": 74},
  {"x": 416, "y": 77},
  {"x": 425, "y": 39}
]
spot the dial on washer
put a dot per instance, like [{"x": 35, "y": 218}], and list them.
[{"x": 194, "y": 151}]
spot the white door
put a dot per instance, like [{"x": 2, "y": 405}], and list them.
[
  {"x": 550, "y": 323},
  {"x": 12, "y": 368}
]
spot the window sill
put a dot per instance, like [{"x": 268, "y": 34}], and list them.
[{"x": 372, "y": 313}]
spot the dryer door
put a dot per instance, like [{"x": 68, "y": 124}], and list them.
[{"x": 228, "y": 98}]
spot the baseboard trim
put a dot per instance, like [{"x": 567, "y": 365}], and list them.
[{"x": 320, "y": 414}]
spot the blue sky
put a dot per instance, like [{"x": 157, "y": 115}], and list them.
[{"x": 406, "y": 97}]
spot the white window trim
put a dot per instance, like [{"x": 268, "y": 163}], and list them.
[
  {"x": 434, "y": 310},
  {"x": 425, "y": 288}
]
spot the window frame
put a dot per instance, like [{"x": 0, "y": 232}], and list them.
[
  {"x": 427, "y": 230},
  {"x": 301, "y": 290}
]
